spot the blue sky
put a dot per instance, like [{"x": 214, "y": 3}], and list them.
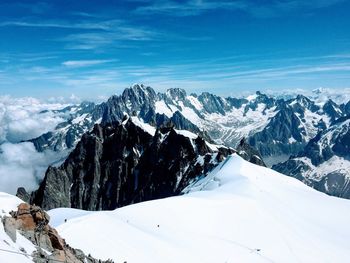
[{"x": 97, "y": 48}]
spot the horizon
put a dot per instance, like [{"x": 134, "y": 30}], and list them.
[
  {"x": 58, "y": 48},
  {"x": 321, "y": 94}
]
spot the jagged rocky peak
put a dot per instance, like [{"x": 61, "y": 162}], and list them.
[
  {"x": 236, "y": 102},
  {"x": 304, "y": 101},
  {"x": 332, "y": 110},
  {"x": 176, "y": 94},
  {"x": 123, "y": 163},
  {"x": 32, "y": 223},
  {"x": 213, "y": 104},
  {"x": 301, "y": 102},
  {"x": 139, "y": 93},
  {"x": 258, "y": 98},
  {"x": 136, "y": 99}
]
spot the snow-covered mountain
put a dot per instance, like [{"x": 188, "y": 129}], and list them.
[
  {"x": 325, "y": 162},
  {"x": 239, "y": 213},
  {"x": 212, "y": 205},
  {"x": 277, "y": 128}
]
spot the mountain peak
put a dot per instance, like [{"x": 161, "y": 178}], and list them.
[
  {"x": 176, "y": 94},
  {"x": 139, "y": 90}
]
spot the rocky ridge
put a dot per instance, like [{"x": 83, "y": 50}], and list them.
[
  {"x": 277, "y": 128},
  {"x": 33, "y": 223},
  {"x": 123, "y": 163}
]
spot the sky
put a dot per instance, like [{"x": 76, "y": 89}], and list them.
[{"x": 92, "y": 49}]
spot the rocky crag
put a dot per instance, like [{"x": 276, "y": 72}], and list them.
[
  {"x": 123, "y": 163},
  {"x": 32, "y": 222}
]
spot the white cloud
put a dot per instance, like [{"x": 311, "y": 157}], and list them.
[
  {"x": 22, "y": 165},
  {"x": 84, "y": 63},
  {"x": 188, "y": 8},
  {"x": 100, "y": 25},
  {"x": 22, "y": 119},
  {"x": 257, "y": 9},
  {"x": 26, "y": 118}
]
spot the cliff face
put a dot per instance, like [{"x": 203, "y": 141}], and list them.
[{"x": 123, "y": 163}]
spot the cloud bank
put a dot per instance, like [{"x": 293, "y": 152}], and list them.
[
  {"x": 20, "y": 120},
  {"x": 22, "y": 165},
  {"x": 26, "y": 118}
]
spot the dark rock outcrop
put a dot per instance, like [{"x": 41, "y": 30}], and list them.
[
  {"x": 119, "y": 164},
  {"x": 249, "y": 153},
  {"x": 23, "y": 194},
  {"x": 275, "y": 138}
]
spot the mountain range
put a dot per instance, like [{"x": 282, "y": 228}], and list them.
[
  {"x": 201, "y": 163},
  {"x": 283, "y": 130}
]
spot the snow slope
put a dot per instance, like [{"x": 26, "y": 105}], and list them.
[{"x": 243, "y": 213}]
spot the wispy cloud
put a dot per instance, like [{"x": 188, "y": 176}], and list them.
[
  {"x": 93, "y": 34},
  {"x": 188, "y": 8},
  {"x": 98, "y": 25},
  {"x": 84, "y": 63},
  {"x": 92, "y": 40},
  {"x": 258, "y": 9}
]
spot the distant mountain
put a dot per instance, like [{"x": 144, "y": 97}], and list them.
[
  {"x": 276, "y": 128},
  {"x": 139, "y": 100},
  {"x": 324, "y": 163},
  {"x": 268, "y": 123},
  {"x": 295, "y": 123}
]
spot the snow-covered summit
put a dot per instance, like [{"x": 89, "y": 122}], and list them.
[{"x": 239, "y": 213}]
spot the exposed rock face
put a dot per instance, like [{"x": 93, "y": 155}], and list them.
[
  {"x": 119, "y": 164},
  {"x": 248, "y": 153},
  {"x": 33, "y": 223},
  {"x": 333, "y": 110},
  {"x": 23, "y": 195},
  {"x": 275, "y": 138}
]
